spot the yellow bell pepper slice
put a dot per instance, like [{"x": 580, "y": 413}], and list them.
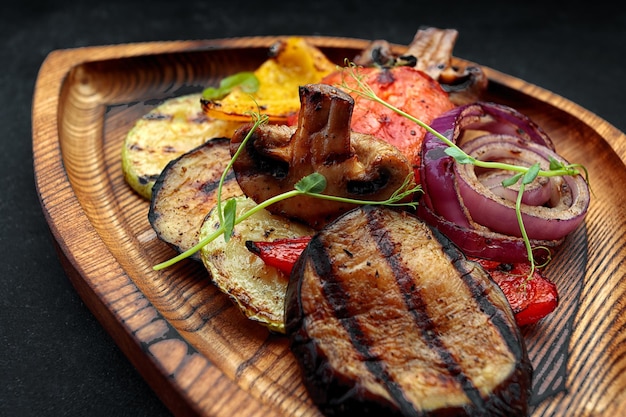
[{"x": 295, "y": 63}]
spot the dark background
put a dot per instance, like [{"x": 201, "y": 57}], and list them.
[{"x": 55, "y": 359}]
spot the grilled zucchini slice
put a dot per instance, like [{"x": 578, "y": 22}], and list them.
[
  {"x": 257, "y": 289},
  {"x": 168, "y": 131}
]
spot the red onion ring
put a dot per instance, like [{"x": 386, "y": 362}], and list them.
[
  {"x": 436, "y": 173},
  {"x": 498, "y": 118},
  {"x": 442, "y": 206},
  {"x": 535, "y": 194},
  {"x": 565, "y": 209}
]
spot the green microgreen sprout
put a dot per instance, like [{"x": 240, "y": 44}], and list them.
[
  {"x": 247, "y": 81},
  {"x": 312, "y": 185},
  {"x": 521, "y": 173},
  {"x": 231, "y": 205}
]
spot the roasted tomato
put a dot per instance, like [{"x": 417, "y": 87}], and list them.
[{"x": 406, "y": 88}]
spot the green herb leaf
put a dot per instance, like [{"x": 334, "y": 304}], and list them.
[
  {"x": 555, "y": 165},
  {"x": 459, "y": 156},
  {"x": 512, "y": 180},
  {"x": 230, "y": 214},
  {"x": 247, "y": 81},
  {"x": 314, "y": 183},
  {"x": 531, "y": 174}
]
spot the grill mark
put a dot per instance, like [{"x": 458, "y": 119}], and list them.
[
  {"x": 416, "y": 306},
  {"x": 477, "y": 291},
  {"x": 211, "y": 186},
  {"x": 339, "y": 300}
]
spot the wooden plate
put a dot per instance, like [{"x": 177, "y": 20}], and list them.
[{"x": 186, "y": 338}]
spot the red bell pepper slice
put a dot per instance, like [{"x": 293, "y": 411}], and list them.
[
  {"x": 530, "y": 299},
  {"x": 279, "y": 253}
]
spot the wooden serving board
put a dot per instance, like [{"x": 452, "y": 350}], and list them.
[{"x": 189, "y": 341}]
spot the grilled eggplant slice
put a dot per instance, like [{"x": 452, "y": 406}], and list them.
[
  {"x": 257, "y": 289},
  {"x": 186, "y": 191},
  {"x": 385, "y": 315},
  {"x": 168, "y": 131}
]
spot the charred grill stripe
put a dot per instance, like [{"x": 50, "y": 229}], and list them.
[
  {"x": 477, "y": 291},
  {"x": 338, "y": 299},
  {"x": 416, "y": 306},
  {"x": 211, "y": 186}
]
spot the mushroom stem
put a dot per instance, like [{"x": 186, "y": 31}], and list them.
[{"x": 324, "y": 124}]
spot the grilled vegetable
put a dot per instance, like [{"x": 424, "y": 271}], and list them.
[
  {"x": 166, "y": 132},
  {"x": 281, "y": 253},
  {"x": 293, "y": 62},
  {"x": 186, "y": 191},
  {"x": 433, "y": 47},
  {"x": 485, "y": 224},
  {"x": 387, "y": 317},
  {"x": 430, "y": 51},
  {"x": 530, "y": 299},
  {"x": 355, "y": 166},
  {"x": 410, "y": 90},
  {"x": 258, "y": 289}
]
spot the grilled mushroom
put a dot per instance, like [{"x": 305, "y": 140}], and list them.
[
  {"x": 433, "y": 49},
  {"x": 430, "y": 51},
  {"x": 355, "y": 165}
]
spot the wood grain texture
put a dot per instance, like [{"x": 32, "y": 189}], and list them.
[{"x": 200, "y": 355}]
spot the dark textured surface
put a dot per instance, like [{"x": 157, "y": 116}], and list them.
[{"x": 55, "y": 358}]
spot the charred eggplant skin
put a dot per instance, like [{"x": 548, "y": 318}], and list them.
[
  {"x": 337, "y": 394},
  {"x": 185, "y": 192}
]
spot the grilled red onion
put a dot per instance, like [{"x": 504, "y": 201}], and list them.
[
  {"x": 466, "y": 209},
  {"x": 552, "y": 218},
  {"x": 535, "y": 194},
  {"x": 436, "y": 172}
]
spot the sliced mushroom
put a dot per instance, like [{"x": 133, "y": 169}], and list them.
[
  {"x": 433, "y": 48},
  {"x": 355, "y": 165}
]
